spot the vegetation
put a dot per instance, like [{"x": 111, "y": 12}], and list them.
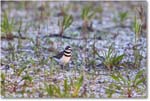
[
  {"x": 86, "y": 15},
  {"x": 13, "y": 86},
  {"x": 67, "y": 21},
  {"x": 137, "y": 55},
  {"x": 71, "y": 89},
  {"x": 123, "y": 16},
  {"x": 125, "y": 85},
  {"x": 7, "y": 26},
  {"x": 111, "y": 59},
  {"x": 96, "y": 70},
  {"x": 136, "y": 29}
]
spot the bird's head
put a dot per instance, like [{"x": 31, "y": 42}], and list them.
[{"x": 68, "y": 48}]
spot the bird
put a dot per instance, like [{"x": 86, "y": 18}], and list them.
[{"x": 64, "y": 57}]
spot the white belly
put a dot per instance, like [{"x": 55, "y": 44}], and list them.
[{"x": 64, "y": 59}]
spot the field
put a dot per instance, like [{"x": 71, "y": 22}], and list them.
[{"x": 108, "y": 41}]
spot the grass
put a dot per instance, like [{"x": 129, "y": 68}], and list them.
[
  {"x": 33, "y": 73},
  {"x": 86, "y": 15},
  {"x": 136, "y": 28},
  {"x": 18, "y": 73},
  {"x": 2, "y": 84},
  {"x": 111, "y": 59},
  {"x": 137, "y": 55},
  {"x": 125, "y": 86},
  {"x": 69, "y": 90},
  {"x": 7, "y": 26},
  {"x": 67, "y": 21},
  {"x": 123, "y": 16}
]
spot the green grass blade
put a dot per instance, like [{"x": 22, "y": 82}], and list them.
[
  {"x": 65, "y": 86},
  {"x": 27, "y": 77},
  {"x": 49, "y": 90},
  {"x": 139, "y": 81},
  {"x": 138, "y": 75},
  {"x": 113, "y": 76}
]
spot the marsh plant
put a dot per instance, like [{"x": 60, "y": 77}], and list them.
[
  {"x": 66, "y": 22},
  {"x": 137, "y": 55},
  {"x": 122, "y": 17},
  {"x": 7, "y": 26},
  {"x": 19, "y": 84},
  {"x": 111, "y": 58},
  {"x": 126, "y": 86},
  {"x": 87, "y": 15},
  {"x": 70, "y": 89},
  {"x": 136, "y": 28},
  {"x": 29, "y": 70}
]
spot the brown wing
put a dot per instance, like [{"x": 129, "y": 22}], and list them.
[{"x": 59, "y": 55}]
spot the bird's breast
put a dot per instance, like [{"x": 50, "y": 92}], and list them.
[{"x": 65, "y": 59}]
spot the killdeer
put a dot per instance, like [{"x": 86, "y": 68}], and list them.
[{"x": 64, "y": 56}]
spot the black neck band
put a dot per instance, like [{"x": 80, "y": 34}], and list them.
[
  {"x": 67, "y": 52},
  {"x": 67, "y": 55}
]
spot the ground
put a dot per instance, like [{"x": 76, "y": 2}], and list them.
[{"x": 108, "y": 41}]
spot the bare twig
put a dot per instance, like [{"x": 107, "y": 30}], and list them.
[{"x": 68, "y": 37}]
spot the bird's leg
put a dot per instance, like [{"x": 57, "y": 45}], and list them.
[
  {"x": 68, "y": 68},
  {"x": 62, "y": 66}
]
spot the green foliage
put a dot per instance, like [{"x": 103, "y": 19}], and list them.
[
  {"x": 136, "y": 28},
  {"x": 123, "y": 16},
  {"x": 111, "y": 58},
  {"x": 27, "y": 77},
  {"x": 67, "y": 21},
  {"x": 2, "y": 76},
  {"x": 7, "y": 25},
  {"x": 77, "y": 86},
  {"x": 138, "y": 80},
  {"x": 137, "y": 55},
  {"x": 49, "y": 90},
  {"x": 2, "y": 79},
  {"x": 124, "y": 85},
  {"x": 111, "y": 90},
  {"x": 137, "y": 58},
  {"x": 87, "y": 14},
  {"x": 69, "y": 89},
  {"x": 66, "y": 86},
  {"x": 19, "y": 72},
  {"x": 2, "y": 84},
  {"x": 99, "y": 9}
]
